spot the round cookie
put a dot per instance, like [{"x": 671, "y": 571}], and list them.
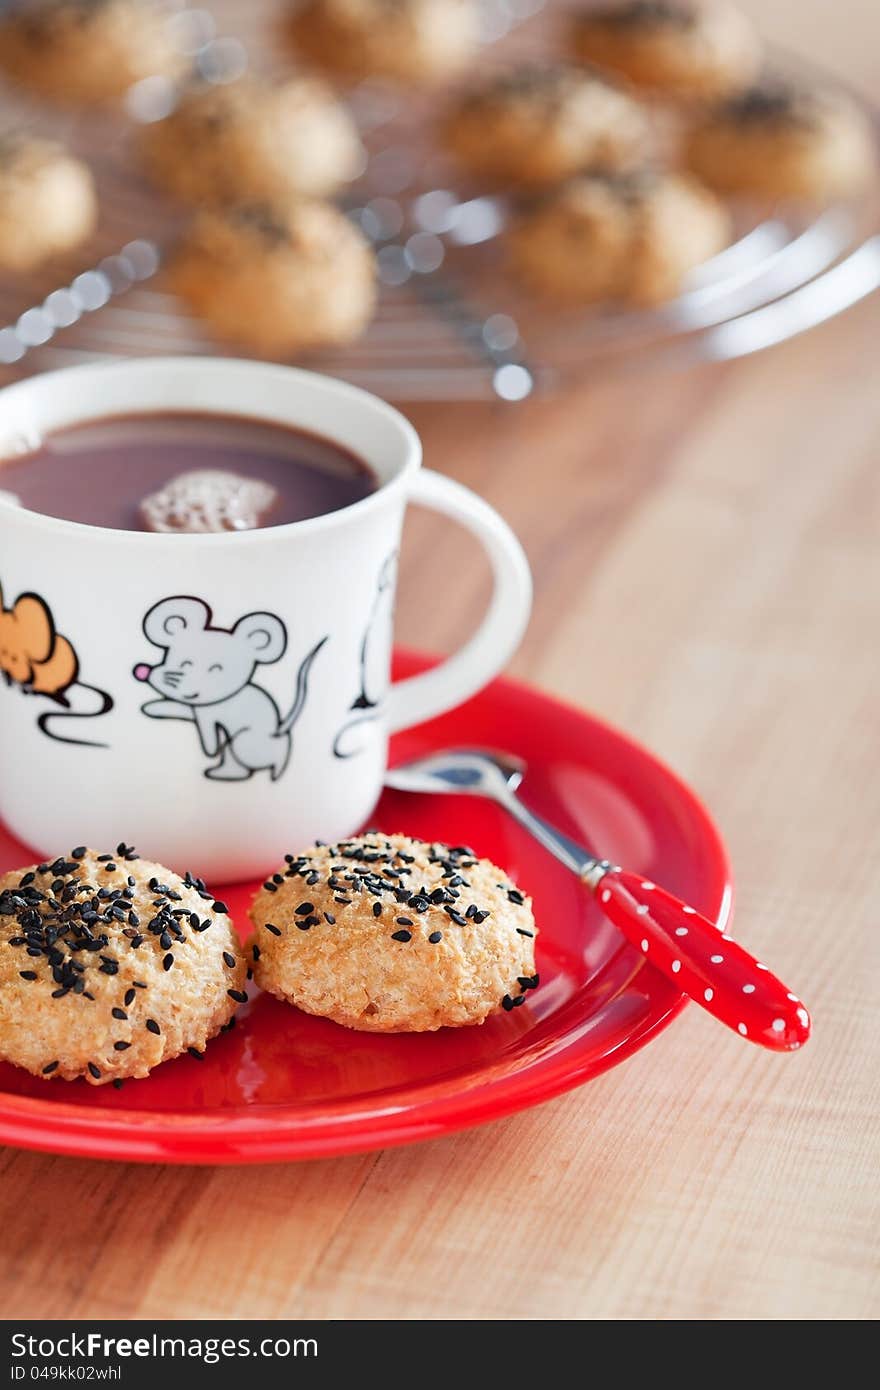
[
  {"x": 109, "y": 965},
  {"x": 47, "y": 201},
  {"x": 87, "y": 51},
  {"x": 678, "y": 47},
  {"x": 278, "y": 279},
  {"x": 387, "y": 934},
  {"x": 407, "y": 40},
  {"x": 779, "y": 141},
  {"x": 537, "y": 124},
  {"x": 631, "y": 239},
  {"x": 249, "y": 140}
]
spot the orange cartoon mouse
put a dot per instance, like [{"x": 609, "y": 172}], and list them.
[
  {"x": 37, "y": 659},
  {"x": 32, "y": 653}
]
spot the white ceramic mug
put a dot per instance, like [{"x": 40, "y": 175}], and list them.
[{"x": 219, "y": 700}]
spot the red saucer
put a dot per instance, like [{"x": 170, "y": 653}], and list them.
[{"x": 283, "y": 1085}]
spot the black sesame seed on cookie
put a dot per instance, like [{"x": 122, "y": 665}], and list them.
[
  {"x": 97, "y": 990},
  {"x": 424, "y": 935}
]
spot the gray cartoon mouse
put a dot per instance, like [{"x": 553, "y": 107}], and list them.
[{"x": 206, "y": 675}]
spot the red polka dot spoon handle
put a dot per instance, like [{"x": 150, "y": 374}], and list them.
[
  {"x": 702, "y": 960},
  {"x": 696, "y": 954}
]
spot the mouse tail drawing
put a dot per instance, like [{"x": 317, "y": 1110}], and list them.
[
  {"x": 50, "y": 723},
  {"x": 302, "y": 689}
]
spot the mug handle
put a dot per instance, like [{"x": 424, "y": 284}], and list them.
[{"x": 452, "y": 682}]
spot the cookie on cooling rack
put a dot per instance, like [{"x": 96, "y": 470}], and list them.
[
  {"x": 537, "y": 124},
  {"x": 677, "y": 47},
  {"x": 407, "y": 40},
  {"x": 388, "y": 934},
  {"x": 631, "y": 239},
  {"x": 277, "y": 278},
  {"x": 109, "y": 965},
  {"x": 251, "y": 140},
  {"x": 47, "y": 201},
  {"x": 777, "y": 140},
  {"x": 87, "y": 50}
]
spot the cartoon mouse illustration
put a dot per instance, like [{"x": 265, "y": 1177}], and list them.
[
  {"x": 32, "y": 654},
  {"x": 38, "y": 659},
  {"x": 373, "y": 661},
  {"x": 206, "y": 675}
]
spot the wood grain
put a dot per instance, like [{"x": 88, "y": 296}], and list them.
[{"x": 705, "y": 553}]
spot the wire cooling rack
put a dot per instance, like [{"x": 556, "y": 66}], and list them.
[{"x": 450, "y": 324}]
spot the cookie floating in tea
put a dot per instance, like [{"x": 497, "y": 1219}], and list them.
[{"x": 209, "y": 500}]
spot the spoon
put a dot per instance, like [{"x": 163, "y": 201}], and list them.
[{"x": 695, "y": 953}]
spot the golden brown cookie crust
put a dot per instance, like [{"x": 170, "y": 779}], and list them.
[
  {"x": 538, "y": 124},
  {"x": 679, "y": 48},
  {"x": 111, "y": 964},
  {"x": 387, "y": 934},
  {"x": 631, "y": 240},
  {"x": 253, "y": 141},
  {"x": 776, "y": 141},
  {"x": 407, "y": 40},
  {"x": 88, "y": 51},
  {"x": 277, "y": 279},
  {"x": 47, "y": 201}
]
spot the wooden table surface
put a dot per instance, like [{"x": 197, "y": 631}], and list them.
[{"x": 715, "y": 536}]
